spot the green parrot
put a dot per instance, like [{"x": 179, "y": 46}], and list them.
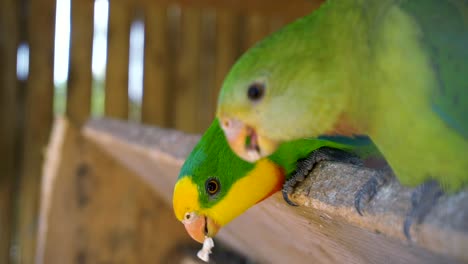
[
  {"x": 396, "y": 71},
  {"x": 215, "y": 186}
]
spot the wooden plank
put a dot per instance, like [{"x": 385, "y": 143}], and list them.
[
  {"x": 9, "y": 122},
  {"x": 256, "y": 28},
  {"x": 288, "y": 10},
  {"x": 187, "y": 89},
  {"x": 324, "y": 228},
  {"x": 155, "y": 106},
  {"x": 227, "y": 45},
  {"x": 37, "y": 123},
  {"x": 118, "y": 44},
  {"x": 80, "y": 73},
  {"x": 105, "y": 212}
]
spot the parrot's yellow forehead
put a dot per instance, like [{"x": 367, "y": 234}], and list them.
[{"x": 185, "y": 198}]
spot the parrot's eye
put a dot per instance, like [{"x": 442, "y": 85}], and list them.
[
  {"x": 212, "y": 186},
  {"x": 256, "y": 91}
]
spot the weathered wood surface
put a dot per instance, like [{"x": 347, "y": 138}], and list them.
[
  {"x": 38, "y": 117},
  {"x": 80, "y": 76},
  {"x": 8, "y": 122},
  {"x": 325, "y": 228},
  {"x": 94, "y": 210}
]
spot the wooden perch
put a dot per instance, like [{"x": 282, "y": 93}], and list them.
[
  {"x": 325, "y": 228},
  {"x": 94, "y": 210}
]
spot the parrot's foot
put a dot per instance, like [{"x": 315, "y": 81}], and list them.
[
  {"x": 423, "y": 199},
  {"x": 371, "y": 187},
  {"x": 305, "y": 166}
]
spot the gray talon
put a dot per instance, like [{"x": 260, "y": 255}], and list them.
[
  {"x": 371, "y": 187},
  {"x": 423, "y": 198}
]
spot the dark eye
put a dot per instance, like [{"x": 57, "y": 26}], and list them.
[
  {"x": 256, "y": 91},
  {"x": 212, "y": 186}
]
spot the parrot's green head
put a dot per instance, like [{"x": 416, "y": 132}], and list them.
[
  {"x": 215, "y": 186},
  {"x": 281, "y": 89}
]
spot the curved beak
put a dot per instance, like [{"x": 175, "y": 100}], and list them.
[
  {"x": 200, "y": 226},
  {"x": 245, "y": 141}
]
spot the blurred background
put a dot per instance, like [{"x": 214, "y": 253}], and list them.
[{"x": 156, "y": 62}]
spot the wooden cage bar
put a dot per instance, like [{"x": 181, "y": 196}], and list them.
[
  {"x": 116, "y": 95},
  {"x": 37, "y": 123},
  {"x": 155, "y": 105},
  {"x": 80, "y": 74},
  {"x": 9, "y": 122}
]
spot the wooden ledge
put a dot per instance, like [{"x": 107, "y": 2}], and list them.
[{"x": 325, "y": 227}]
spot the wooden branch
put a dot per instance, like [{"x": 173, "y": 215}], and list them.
[{"x": 324, "y": 228}]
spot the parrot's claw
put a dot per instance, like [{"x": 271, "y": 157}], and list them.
[
  {"x": 371, "y": 187},
  {"x": 423, "y": 199},
  {"x": 305, "y": 166},
  {"x": 286, "y": 194}
]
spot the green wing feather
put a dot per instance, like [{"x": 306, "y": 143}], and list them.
[{"x": 445, "y": 35}]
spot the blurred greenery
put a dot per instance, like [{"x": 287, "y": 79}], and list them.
[
  {"x": 97, "y": 101},
  {"x": 60, "y": 97},
  {"x": 97, "y": 98}
]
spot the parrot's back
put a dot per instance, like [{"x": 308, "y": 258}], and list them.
[
  {"x": 421, "y": 121},
  {"x": 395, "y": 70},
  {"x": 445, "y": 35}
]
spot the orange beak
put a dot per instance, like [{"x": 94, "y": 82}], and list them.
[
  {"x": 245, "y": 141},
  {"x": 200, "y": 226}
]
